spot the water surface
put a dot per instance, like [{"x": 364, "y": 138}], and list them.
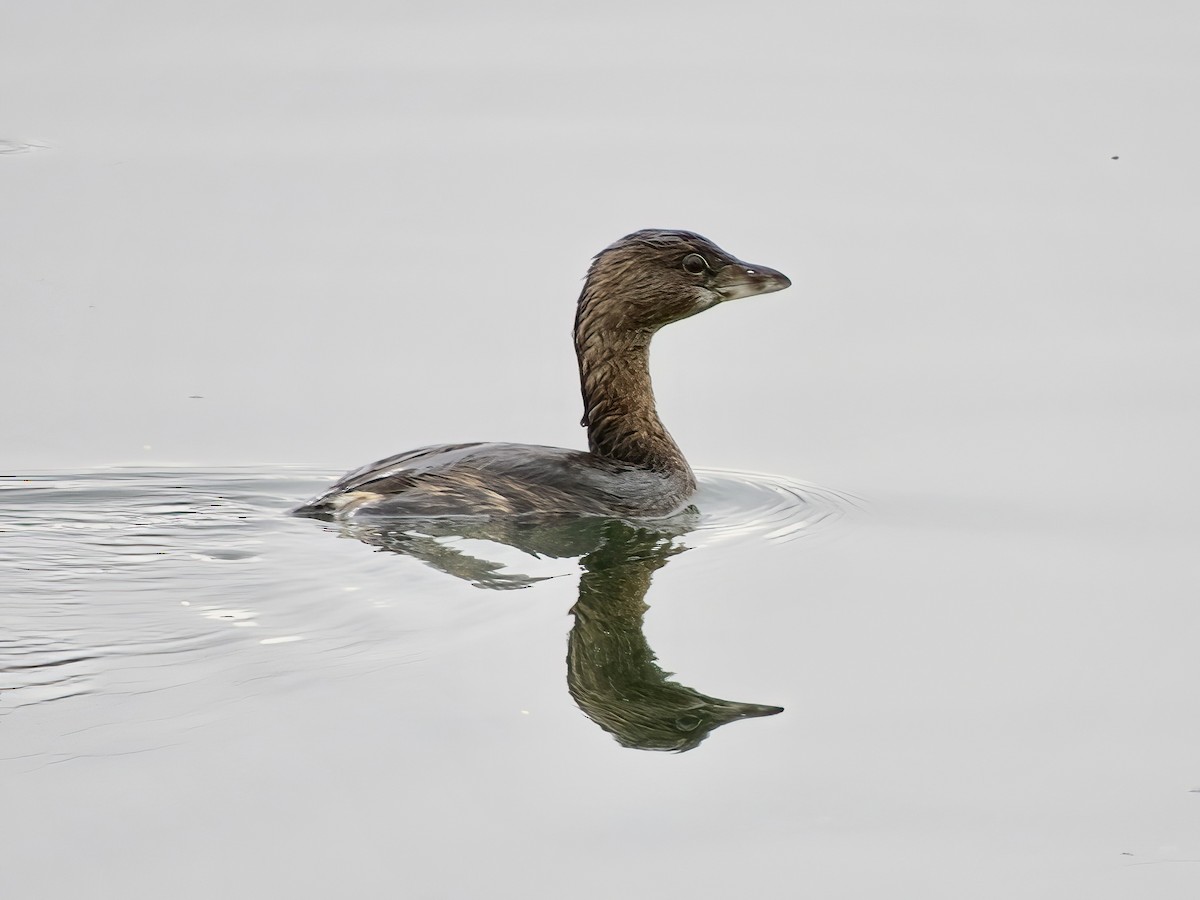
[
  {"x": 130, "y": 581},
  {"x": 195, "y": 671}
]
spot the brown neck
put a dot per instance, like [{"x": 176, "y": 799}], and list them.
[{"x": 618, "y": 398}]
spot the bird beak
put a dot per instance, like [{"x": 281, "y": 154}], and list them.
[
  {"x": 731, "y": 710},
  {"x": 740, "y": 279}
]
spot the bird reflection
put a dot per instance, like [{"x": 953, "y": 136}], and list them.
[
  {"x": 611, "y": 670},
  {"x": 612, "y": 673}
]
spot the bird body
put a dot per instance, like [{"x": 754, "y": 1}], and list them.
[
  {"x": 495, "y": 479},
  {"x": 633, "y": 468}
]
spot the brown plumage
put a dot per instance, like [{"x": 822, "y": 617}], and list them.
[{"x": 644, "y": 281}]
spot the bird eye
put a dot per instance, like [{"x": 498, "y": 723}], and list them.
[{"x": 694, "y": 264}]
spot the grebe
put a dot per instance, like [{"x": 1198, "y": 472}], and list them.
[{"x": 633, "y": 468}]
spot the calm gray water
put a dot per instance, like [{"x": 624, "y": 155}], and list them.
[
  {"x": 245, "y": 247},
  {"x": 189, "y": 674}
]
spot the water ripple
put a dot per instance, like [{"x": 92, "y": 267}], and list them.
[
  {"x": 10, "y": 146},
  {"x": 117, "y": 579},
  {"x": 746, "y": 505},
  {"x": 111, "y": 569}
]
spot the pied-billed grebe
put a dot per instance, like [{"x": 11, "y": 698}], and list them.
[{"x": 633, "y": 469}]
